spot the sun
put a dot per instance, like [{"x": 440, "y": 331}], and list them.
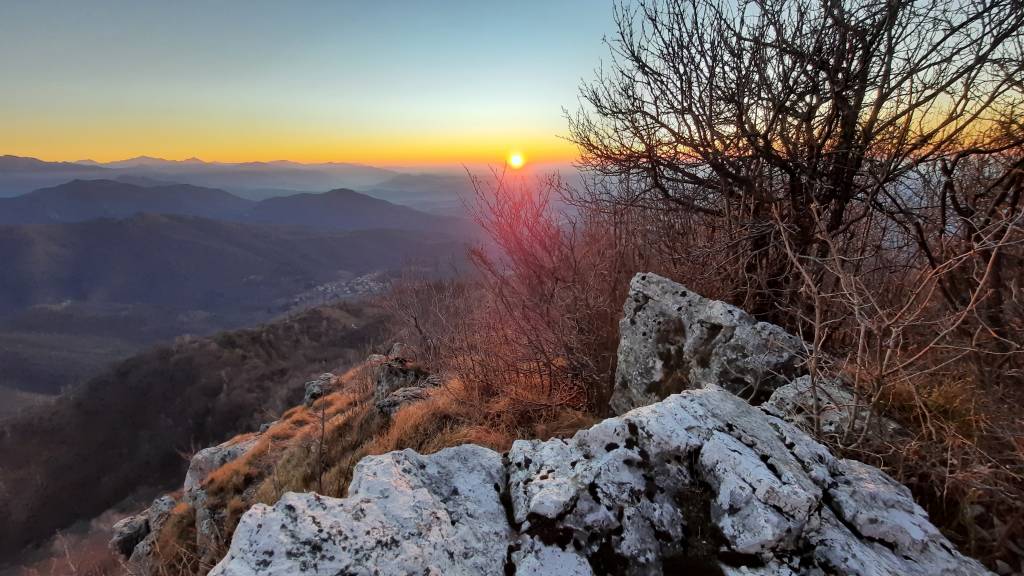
[{"x": 516, "y": 160}]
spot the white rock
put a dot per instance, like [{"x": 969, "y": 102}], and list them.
[
  {"x": 405, "y": 514},
  {"x": 701, "y": 482},
  {"x": 706, "y": 481},
  {"x": 209, "y": 459},
  {"x": 399, "y": 398},
  {"x": 534, "y": 558},
  {"x": 672, "y": 339},
  {"x": 209, "y": 538},
  {"x": 141, "y": 560},
  {"x": 839, "y": 409},
  {"x": 128, "y": 533}
]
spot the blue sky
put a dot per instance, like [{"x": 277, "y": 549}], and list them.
[{"x": 382, "y": 82}]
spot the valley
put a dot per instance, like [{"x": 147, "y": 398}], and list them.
[{"x": 97, "y": 270}]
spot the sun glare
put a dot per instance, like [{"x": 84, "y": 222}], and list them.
[{"x": 516, "y": 160}]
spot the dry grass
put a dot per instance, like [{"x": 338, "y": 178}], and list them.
[
  {"x": 288, "y": 456},
  {"x": 174, "y": 552},
  {"x": 86, "y": 555}
]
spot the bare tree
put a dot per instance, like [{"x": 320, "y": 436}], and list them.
[{"x": 736, "y": 111}]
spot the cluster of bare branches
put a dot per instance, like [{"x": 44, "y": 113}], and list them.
[
  {"x": 736, "y": 111},
  {"x": 853, "y": 170},
  {"x": 535, "y": 328}
]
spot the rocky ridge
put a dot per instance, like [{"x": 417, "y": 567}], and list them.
[{"x": 701, "y": 481}]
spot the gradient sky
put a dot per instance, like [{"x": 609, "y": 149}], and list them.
[{"x": 381, "y": 81}]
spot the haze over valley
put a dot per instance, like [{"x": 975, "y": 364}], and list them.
[{"x": 120, "y": 257}]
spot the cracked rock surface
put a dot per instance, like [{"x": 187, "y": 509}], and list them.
[
  {"x": 838, "y": 408},
  {"x": 399, "y": 380},
  {"x": 135, "y": 536},
  {"x": 405, "y": 514},
  {"x": 673, "y": 339},
  {"x": 209, "y": 459},
  {"x": 700, "y": 483}
]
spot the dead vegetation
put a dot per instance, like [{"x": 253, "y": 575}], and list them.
[
  {"x": 851, "y": 171},
  {"x": 316, "y": 448},
  {"x": 855, "y": 171}
]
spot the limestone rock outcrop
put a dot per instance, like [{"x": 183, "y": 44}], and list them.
[
  {"x": 405, "y": 514},
  {"x": 838, "y": 409},
  {"x": 701, "y": 482},
  {"x": 719, "y": 478},
  {"x": 316, "y": 389},
  {"x": 399, "y": 380},
  {"x": 209, "y": 539},
  {"x": 128, "y": 533},
  {"x": 209, "y": 459},
  {"x": 672, "y": 339},
  {"x": 135, "y": 537}
]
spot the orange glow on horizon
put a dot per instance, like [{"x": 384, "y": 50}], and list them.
[{"x": 228, "y": 141}]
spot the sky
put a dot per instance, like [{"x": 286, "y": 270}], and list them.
[{"x": 382, "y": 82}]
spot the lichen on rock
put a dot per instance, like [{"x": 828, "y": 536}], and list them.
[
  {"x": 399, "y": 380},
  {"x": 701, "y": 481},
  {"x": 405, "y": 514},
  {"x": 673, "y": 339}
]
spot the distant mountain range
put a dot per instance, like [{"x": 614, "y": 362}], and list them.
[
  {"x": 100, "y": 261},
  {"x": 345, "y": 209},
  {"x": 256, "y": 180},
  {"x": 81, "y": 200},
  {"x": 436, "y": 193},
  {"x": 95, "y": 269}
]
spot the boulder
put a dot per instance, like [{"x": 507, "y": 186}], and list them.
[
  {"x": 209, "y": 459},
  {"x": 701, "y": 482},
  {"x": 405, "y": 514},
  {"x": 128, "y": 532},
  {"x": 839, "y": 409},
  {"x": 395, "y": 374},
  {"x": 698, "y": 482},
  {"x": 398, "y": 380},
  {"x": 395, "y": 400},
  {"x": 134, "y": 536},
  {"x": 316, "y": 389},
  {"x": 209, "y": 539},
  {"x": 705, "y": 482},
  {"x": 672, "y": 339},
  {"x": 144, "y": 529}
]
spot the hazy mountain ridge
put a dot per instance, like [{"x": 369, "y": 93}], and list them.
[
  {"x": 9, "y": 163},
  {"x": 437, "y": 193},
  {"x": 132, "y": 282},
  {"x": 345, "y": 209},
  {"x": 81, "y": 200},
  {"x": 20, "y": 175}
]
